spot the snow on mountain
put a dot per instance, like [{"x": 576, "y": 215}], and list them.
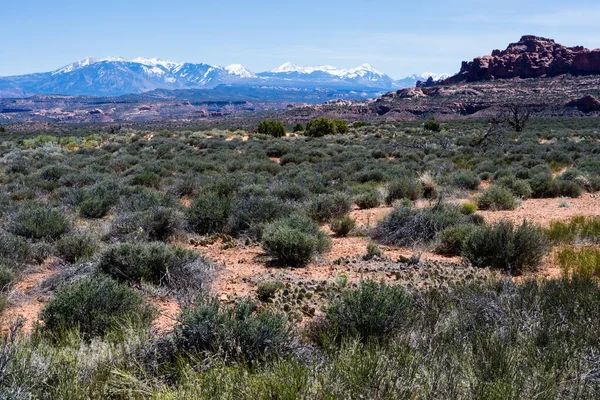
[
  {"x": 156, "y": 62},
  {"x": 239, "y": 70},
  {"x": 361, "y": 71}
]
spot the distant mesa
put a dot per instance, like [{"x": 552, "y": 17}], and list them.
[{"x": 530, "y": 57}]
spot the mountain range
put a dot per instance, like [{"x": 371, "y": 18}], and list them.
[{"x": 116, "y": 76}]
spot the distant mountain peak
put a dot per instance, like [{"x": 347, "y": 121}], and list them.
[{"x": 239, "y": 70}]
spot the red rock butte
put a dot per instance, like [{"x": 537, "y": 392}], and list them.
[{"x": 530, "y": 57}]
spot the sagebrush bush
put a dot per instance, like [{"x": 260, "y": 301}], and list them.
[
  {"x": 209, "y": 213},
  {"x": 95, "y": 307},
  {"x": 519, "y": 187},
  {"x": 7, "y": 277},
  {"x": 406, "y": 226},
  {"x": 368, "y": 199},
  {"x": 326, "y": 207},
  {"x": 157, "y": 223},
  {"x": 38, "y": 221},
  {"x": 497, "y": 198},
  {"x": 373, "y": 311},
  {"x": 502, "y": 246},
  {"x": 404, "y": 188},
  {"x": 94, "y": 208},
  {"x": 143, "y": 262},
  {"x": 77, "y": 246},
  {"x": 240, "y": 332},
  {"x": 451, "y": 240},
  {"x": 342, "y": 227},
  {"x": 14, "y": 248},
  {"x": 294, "y": 241}
]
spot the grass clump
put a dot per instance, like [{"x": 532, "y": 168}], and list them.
[
  {"x": 583, "y": 261},
  {"x": 240, "y": 332},
  {"x": 95, "y": 307},
  {"x": 578, "y": 229},
  {"x": 294, "y": 241},
  {"x": 497, "y": 198},
  {"x": 502, "y": 246}
]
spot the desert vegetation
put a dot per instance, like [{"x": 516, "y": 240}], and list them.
[{"x": 388, "y": 260}]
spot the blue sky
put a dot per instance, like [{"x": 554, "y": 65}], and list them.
[{"x": 397, "y": 37}]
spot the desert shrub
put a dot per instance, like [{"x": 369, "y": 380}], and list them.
[
  {"x": 158, "y": 223},
  {"x": 253, "y": 212},
  {"x": 38, "y": 221},
  {"x": 298, "y": 128},
  {"x": 568, "y": 188},
  {"x": 373, "y": 251},
  {"x": 342, "y": 227},
  {"x": 341, "y": 126},
  {"x": 7, "y": 277},
  {"x": 272, "y": 128},
  {"x": 320, "y": 127},
  {"x": 497, "y": 198},
  {"x": 94, "y": 208},
  {"x": 368, "y": 199},
  {"x": 294, "y": 241},
  {"x": 14, "y": 248},
  {"x": 239, "y": 332},
  {"x": 146, "y": 178},
  {"x": 542, "y": 185},
  {"x": 406, "y": 226},
  {"x": 504, "y": 247},
  {"x": 209, "y": 213},
  {"x": 326, "y": 207},
  {"x": 291, "y": 191},
  {"x": 451, "y": 240},
  {"x": 583, "y": 261},
  {"x": 373, "y": 311},
  {"x": 143, "y": 262},
  {"x": 404, "y": 188},
  {"x": 519, "y": 187},
  {"x": 266, "y": 291},
  {"x": 77, "y": 246},
  {"x": 95, "y": 307},
  {"x": 433, "y": 126}
]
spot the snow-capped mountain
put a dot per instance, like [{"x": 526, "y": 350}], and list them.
[{"x": 115, "y": 76}]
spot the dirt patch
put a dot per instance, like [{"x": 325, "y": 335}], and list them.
[
  {"x": 168, "y": 309},
  {"x": 542, "y": 211}
]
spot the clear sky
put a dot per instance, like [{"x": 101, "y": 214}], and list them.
[{"x": 397, "y": 37}]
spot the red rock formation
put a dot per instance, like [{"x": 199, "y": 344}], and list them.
[{"x": 531, "y": 57}]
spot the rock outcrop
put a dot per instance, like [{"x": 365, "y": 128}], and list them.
[
  {"x": 586, "y": 104},
  {"x": 531, "y": 57}
]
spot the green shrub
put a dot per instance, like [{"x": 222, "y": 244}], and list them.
[
  {"x": 94, "y": 208},
  {"x": 497, "y": 198},
  {"x": 294, "y": 241},
  {"x": 404, "y": 188},
  {"x": 95, "y": 307},
  {"x": 209, "y": 213},
  {"x": 298, "y": 128},
  {"x": 451, "y": 240},
  {"x": 373, "y": 251},
  {"x": 14, "y": 248},
  {"x": 433, "y": 126},
  {"x": 342, "y": 227},
  {"x": 326, "y": 207},
  {"x": 504, "y": 247},
  {"x": 267, "y": 290},
  {"x": 406, "y": 226},
  {"x": 76, "y": 246},
  {"x": 272, "y": 128},
  {"x": 371, "y": 312},
  {"x": 37, "y": 221},
  {"x": 341, "y": 126},
  {"x": 519, "y": 187},
  {"x": 143, "y": 262},
  {"x": 157, "y": 223},
  {"x": 148, "y": 179},
  {"x": 320, "y": 127},
  {"x": 239, "y": 332},
  {"x": 368, "y": 199}
]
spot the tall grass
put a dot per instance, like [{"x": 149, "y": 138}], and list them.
[
  {"x": 578, "y": 229},
  {"x": 584, "y": 261}
]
